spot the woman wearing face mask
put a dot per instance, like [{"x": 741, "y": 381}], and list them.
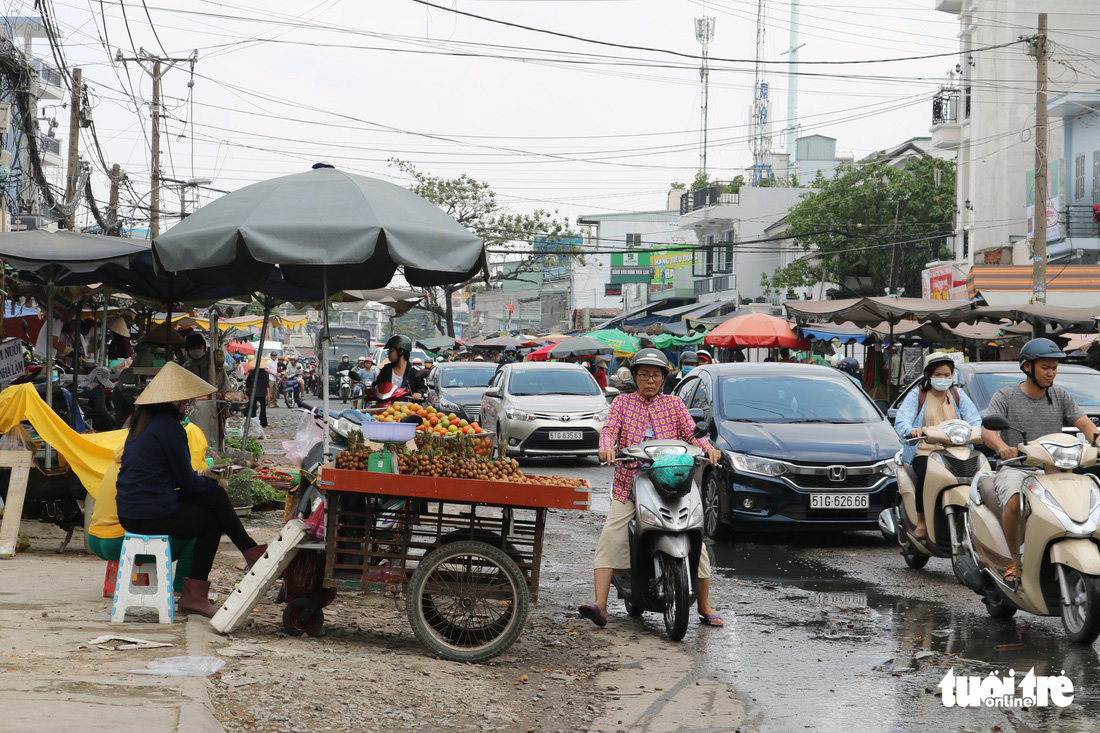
[
  {"x": 158, "y": 493},
  {"x": 933, "y": 401}
]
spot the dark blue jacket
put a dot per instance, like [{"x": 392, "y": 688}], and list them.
[{"x": 154, "y": 465}]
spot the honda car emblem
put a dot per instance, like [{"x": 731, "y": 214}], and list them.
[{"x": 837, "y": 473}]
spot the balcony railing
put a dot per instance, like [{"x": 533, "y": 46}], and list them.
[
  {"x": 714, "y": 285},
  {"x": 719, "y": 192},
  {"x": 47, "y": 74},
  {"x": 945, "y": 107},
  {"x": 1080, "y": 221}
]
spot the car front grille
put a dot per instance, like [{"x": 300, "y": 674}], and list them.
[
  {"x": 473, "y": 412},
  {"x": 540, "y": 440},
  {"x": 818, "y": 481}
]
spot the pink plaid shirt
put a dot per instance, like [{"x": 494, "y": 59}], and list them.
[{"x": 628, "y": 420}]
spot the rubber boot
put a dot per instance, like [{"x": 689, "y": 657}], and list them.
[
  {"x": 253, "y": 554},
  {"x": 196, "y": 599}
]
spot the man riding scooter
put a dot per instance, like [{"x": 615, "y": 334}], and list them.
[
  {"x": 1035, "y": 407},
  {"x": 643, "y": 415}
]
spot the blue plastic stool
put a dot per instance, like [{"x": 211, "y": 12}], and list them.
[{"x": 158, "y": 593}]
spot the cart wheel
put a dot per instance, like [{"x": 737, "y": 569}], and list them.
[
  {"x": 467, "y": 601},
  {"x": 298, "y": 620}
]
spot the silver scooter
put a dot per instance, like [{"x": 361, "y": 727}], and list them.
[{"x": 666, "y": 535}]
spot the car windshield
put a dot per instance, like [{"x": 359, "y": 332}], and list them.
[
  {"x": 793, "y": 399},
  {"x": 552, "y": 381},
  {"x": 1083, "y": 387},
  {"x": 466, "y": 376}
]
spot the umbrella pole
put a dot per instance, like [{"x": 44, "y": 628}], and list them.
[
  {"x": 256, "y": 379},
  {"x": 101, "y": 355},
  {"x": 78, "y": 352},
  {"x": 49, "y": 360},
  {"x": 324, "y": 362}
]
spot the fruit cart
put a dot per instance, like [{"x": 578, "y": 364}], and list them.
[{"x": 467, "y": 550}]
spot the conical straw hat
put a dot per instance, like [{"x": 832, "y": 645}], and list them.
[
  {"x": 118, "y": 325},
  {"x": 172, "y": 384},
  {"x": 156, "y": 335}
]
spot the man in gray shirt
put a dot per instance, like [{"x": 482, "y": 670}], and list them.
[{"x": 1035, "y": 407}]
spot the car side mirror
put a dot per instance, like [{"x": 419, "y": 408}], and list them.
[
  {"x": 701, "y": 429},
  {"x": 995, "y": 422},
  {"x": 611, "y": 392},
  {"x": 697, "y": 415},
  {"x": 492, "y": 392}
]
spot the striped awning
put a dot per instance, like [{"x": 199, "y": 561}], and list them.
[{"x": 1014, "y": 284}]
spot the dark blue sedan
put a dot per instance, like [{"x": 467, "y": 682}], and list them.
[{"x": 804, "y": 448}]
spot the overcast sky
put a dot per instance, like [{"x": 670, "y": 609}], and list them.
[{"x": 549, "y": 121}]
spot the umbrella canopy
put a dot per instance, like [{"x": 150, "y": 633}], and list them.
[
  {"x": 499, "y": 342},
  {"x": 540, "y": 354},
  {"x": 1048, "y": 316},
  {"x": 54, "y": 254},
  {"x": 756, "y": 330},
  {"x": 437, "y": 343},
  {"x": 240, "y": 347},
  {"x": 324, "y": 227},
  {"x": 622, "y": 344},
  {"x": 402, "y": 301},
  {"x": 578, "y": 346},
  {"x": 872, "y": 311}
]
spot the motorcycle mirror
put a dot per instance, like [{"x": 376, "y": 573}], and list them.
[
  {"x": 700, "y": 429},
  {"x": 995, "y": 422}
]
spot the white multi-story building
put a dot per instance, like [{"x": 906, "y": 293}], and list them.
[{"x": 987, "y": 114}]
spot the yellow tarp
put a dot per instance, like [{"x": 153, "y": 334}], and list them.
[
  {"x": 89, "y": 454},
  {"x": 293, "y": 323}
]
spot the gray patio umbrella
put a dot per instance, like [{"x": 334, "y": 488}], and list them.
[
  {"x": 579, "y": 346},
  {"x": 63, "y": 258},
  {"x": 324, "y": 228}
]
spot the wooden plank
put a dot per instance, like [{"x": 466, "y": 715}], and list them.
[
  {"x": 499, "y": 493},
  {"x": 19, "y": 461}
]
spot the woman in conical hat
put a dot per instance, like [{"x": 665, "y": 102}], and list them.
[{"x": 160, "y": 494}]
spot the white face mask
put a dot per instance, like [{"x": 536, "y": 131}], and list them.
[
  {"x": 196, "y": 353},
  {"x": 942, "y": 384}
]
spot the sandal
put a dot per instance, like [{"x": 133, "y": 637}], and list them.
[
  {"x": 711, "y": 619},
  {"x": 591, "y": 612},
  {"x": 1011, "y": 572}
]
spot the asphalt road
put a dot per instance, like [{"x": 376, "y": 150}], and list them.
[{"x": 835, "y": 633}]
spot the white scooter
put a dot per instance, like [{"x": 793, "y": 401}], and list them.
[
  {"x": 666, "y": 535},
  {"x": 1059, "y": 567}
]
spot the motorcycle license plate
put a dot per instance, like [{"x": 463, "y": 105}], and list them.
[
  {"x": 565, "y": 435},
  {"x": 838, "y": 501}
]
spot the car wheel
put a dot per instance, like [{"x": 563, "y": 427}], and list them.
[{"x": 713, "y": 527}]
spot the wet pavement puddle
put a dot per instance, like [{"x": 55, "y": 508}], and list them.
[{"x": 812, "y": 648}]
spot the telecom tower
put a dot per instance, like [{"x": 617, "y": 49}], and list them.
[
  {"x": 704, "y": 32},
  {"x": 760, "y": 127}
]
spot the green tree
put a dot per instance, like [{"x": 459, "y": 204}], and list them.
[
  {"x": 847, "y": 226},
  {"x": 509, "y": 235}
]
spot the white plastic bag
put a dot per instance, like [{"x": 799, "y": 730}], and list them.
[
  {"x": 309, "y": 434},
  {"x": 182, "y": 666}
]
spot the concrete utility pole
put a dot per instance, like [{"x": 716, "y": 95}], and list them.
[
  {"x": 1039, "y": 260},
  {"x": 158, "y": 67},
  {"x": 112, "y": 206},
  {"x": 74, "y": 147},
  {"x": 895, "y": 256}
]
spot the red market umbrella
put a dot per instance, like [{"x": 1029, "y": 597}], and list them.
[
  {"x": 240, "y": 347},
  {"x": 541, "y": 354},
  {"x": 755, "y": 330}
]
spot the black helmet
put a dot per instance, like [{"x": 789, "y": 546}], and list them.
[
  {"x": 688, "y": 357},
  {"x": 650, "y": 357},
  {"x": 195, "y": 339},
  {"x": 1040, "y": 349},
  {"x": 403, "y": 344}
]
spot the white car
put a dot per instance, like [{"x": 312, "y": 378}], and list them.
[{"x": 545, "y": 408}]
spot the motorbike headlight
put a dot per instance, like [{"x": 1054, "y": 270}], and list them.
[
  {"x": 649, "y": 517},
  {"x": 656, "y": 452},
  {"x": 958, "y": 432},
  {"x": 1065, "y": 456},
  {"x": 514, "y": 414},
  {"x": 696, "y": 516},
  {"x": 760, "y": 466}
]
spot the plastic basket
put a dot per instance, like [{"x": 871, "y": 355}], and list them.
[
  {"x": 389, "y": 432},
  {"x": 670, "y": 473}
]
